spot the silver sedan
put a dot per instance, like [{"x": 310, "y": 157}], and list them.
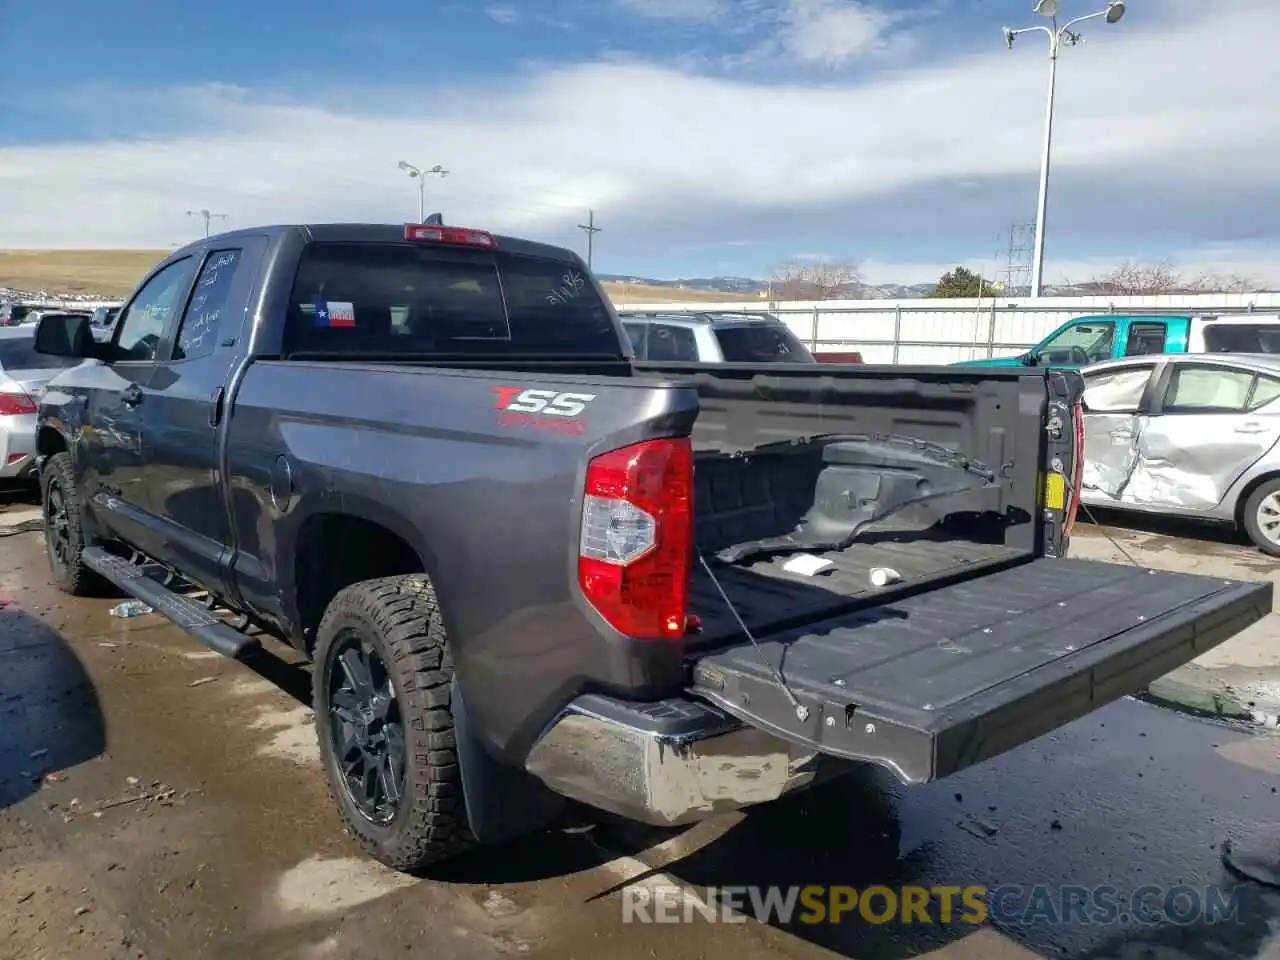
[
  {"x": 1188, "y": 434},
  {"x": 23, "y": 373}
]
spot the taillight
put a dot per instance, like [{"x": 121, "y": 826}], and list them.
[
  {"x": 462, "y": 236},
  {"x": 1077, "y": 466},
  {"x": 635, "y": 555},
  {"x": 16, "y": 404}
]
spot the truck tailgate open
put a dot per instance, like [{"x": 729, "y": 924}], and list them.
[{"x": 934, "y": 683}]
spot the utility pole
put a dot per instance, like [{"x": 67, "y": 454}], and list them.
[
  {"x": 590, "y": 229},
  {"x": 206, "y": 216},
  {"x": 417, "y": 173}
]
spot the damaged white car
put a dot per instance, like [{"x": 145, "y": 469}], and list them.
[{"x": 1187, "y": 434}]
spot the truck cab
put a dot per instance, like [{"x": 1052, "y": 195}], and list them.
[{"x": 1085, "y": 340}]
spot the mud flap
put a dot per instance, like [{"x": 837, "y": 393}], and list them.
[
  {"x": 932, "y": 684},
  {"x": 502, "y": 802}
]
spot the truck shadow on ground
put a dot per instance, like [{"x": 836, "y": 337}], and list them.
[
  {"x": 849, "y": 833},
  {"x": 50, "y": 715}
]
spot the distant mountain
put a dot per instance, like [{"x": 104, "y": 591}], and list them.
[
  {"x": 745, "y": 285},
  {"x": 713, "y": 284}
]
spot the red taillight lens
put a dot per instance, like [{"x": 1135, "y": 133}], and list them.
[
  {"x": 459, "y": 235},
  {"x": 635, "y": 556},
  {"x": 16, "y": 404},
  {"x": 1077, "y": 466}
]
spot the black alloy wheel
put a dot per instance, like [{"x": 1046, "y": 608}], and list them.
[
  {"x": 57, "y": 526},
  {"x": 366, "y": 729}
]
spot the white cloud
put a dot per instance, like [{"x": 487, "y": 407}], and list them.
[
  {"x": 502, "y": 13},
  {"x": 832, "y": 32},
  {"x": 1258, "y": 263},
  {"x": 676, "y": 9},
  {"x": 681, "y": 155}
]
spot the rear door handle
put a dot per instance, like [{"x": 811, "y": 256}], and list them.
[
  {"x": 215, "y": 407},
  {"x": 131, "y": 395},
  {"x": 1122, "y": 435},
  {"x": 1251, "y": 428}
]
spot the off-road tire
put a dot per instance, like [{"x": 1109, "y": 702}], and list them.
[
  {"x": 74, "y": 576},
  {"x": 1250, "y": 517},
  {"x": 399, "y": 617}
]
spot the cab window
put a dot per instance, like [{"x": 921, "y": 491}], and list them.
[
  {"x": 150, "y": 317},
  {"x": 1080, "y": 343},
  {"x": 671, "y": 343},
  {"x": 1145, "y": 339}
]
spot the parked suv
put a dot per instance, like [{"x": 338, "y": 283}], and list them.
[{"x": 701, "y": 337}]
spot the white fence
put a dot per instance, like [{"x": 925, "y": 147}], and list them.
[{"x": 944, "y": 331}]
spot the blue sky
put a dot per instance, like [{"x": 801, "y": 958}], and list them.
[{"x": 709, "y": 136}]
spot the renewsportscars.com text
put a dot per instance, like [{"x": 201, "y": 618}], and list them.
[{"x": 973, "y": 904}]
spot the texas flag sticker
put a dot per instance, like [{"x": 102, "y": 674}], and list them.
[{"x": 335, "y": 313}]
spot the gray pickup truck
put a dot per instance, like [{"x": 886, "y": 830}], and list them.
[{"x": 528, "y": 568}]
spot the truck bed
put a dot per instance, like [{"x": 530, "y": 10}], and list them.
[
  {"x": 937, "y": 682},
  {"x": 767, "y": 597}
]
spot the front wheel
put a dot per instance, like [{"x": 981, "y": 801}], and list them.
[
  {"x": 382, "y": 688},
  {"x": 64, "y": 535}
]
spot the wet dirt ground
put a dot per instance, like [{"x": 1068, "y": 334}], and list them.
[{"x": 158, "y": 801}]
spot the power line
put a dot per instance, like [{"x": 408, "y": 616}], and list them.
[
  {"x": 206, "y": 216},
  {"x": 1017, "y": 279},
  {"x": 590, "y": 229}
]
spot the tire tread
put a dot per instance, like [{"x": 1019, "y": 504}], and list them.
[{"x": 405, "y": 616}]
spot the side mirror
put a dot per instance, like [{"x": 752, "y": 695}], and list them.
[{"x": 64, "y": 335}]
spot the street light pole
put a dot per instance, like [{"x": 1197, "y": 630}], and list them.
[
  {"x": 421, "y": 176},
  {"x": 206, "y": 216},
  {"x": 1056, "y": 34}
]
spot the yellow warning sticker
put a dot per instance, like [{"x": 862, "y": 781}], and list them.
[{"x": 1055, "y": 491}]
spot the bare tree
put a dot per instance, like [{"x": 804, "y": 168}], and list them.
[
  {"x": 816, "y": 280},
  {"x": 1133, "y": 279}
]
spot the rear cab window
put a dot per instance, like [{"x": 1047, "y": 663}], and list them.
[
  {"x": 761, "y": 343},
  {"x": 386, "y": 298}
]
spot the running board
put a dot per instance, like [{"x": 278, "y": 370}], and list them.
[{"x": 188, "y": 615}]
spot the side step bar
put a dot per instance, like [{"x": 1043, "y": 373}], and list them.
[{"x": 189, "y": 615}]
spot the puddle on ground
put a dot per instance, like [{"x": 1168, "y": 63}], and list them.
[
  {"x": 293, "y": 734},
  {"x": 320, "y": 885}
]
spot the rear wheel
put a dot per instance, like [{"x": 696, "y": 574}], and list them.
[
  {"x": 381, "y": 689},
  {"x": 1262, "y": 517},
  {"x": 64, "y": 529}
]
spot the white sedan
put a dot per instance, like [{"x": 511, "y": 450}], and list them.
[
  {"x": 1194, "y": 435},
  {"x": 23, "y": 373}
]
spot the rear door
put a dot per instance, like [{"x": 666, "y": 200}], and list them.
[
  {"x": 185, "y": 407},
  {"x": 1209, "y": 423},
  {"x": 1114, "y": 398}
]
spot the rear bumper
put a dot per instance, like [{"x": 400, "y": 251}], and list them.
[
  {"x": 17, "y": 446},
  {"x": 667, "y": 763}
]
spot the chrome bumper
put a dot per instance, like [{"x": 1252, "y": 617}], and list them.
[{"x": 666, "y": 778}]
